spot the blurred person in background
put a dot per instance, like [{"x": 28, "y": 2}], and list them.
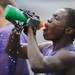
[{"x": 10, "y": 65}]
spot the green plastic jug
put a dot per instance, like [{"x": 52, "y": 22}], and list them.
[{"x": 13, "y": 13}]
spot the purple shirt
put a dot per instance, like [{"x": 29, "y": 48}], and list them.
[
  {"x": 48, "y": 51},
  {"x": 7, "y": 65}
]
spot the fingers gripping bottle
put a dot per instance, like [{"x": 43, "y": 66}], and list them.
[{"x": 12, "y": 14}]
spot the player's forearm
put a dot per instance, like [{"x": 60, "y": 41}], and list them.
[
  {"x": 23, "y": 51},
  {"x": 13, "y": 47},
  {"x": 34, "y": 55}
]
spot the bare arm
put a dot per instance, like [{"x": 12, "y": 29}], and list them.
[
  {"x": 40, "y": 63},
  {"x": 14, "y": 48},
  {"x": 13, "y": 43}
]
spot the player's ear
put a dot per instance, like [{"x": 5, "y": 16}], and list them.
[{"x": 69, "y": 30}]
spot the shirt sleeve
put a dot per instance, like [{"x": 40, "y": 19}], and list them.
[
  {"x": 3, "y": 40},
  {"x": 23, "y": 38}
]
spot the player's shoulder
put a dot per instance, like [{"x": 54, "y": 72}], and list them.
[{"x": 65, "y": 53}]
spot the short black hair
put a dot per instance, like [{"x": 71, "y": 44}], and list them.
[{"x": 71, "y": 19}]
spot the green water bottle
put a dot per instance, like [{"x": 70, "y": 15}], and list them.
[{"x": 13, "y": 13}]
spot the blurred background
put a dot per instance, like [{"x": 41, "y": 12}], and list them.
[{"x": 44, "y": 8}]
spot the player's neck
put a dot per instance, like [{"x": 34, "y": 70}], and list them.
[
  {"x": 61, "y": 43},
  {"x": 3, "y": 22}
]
